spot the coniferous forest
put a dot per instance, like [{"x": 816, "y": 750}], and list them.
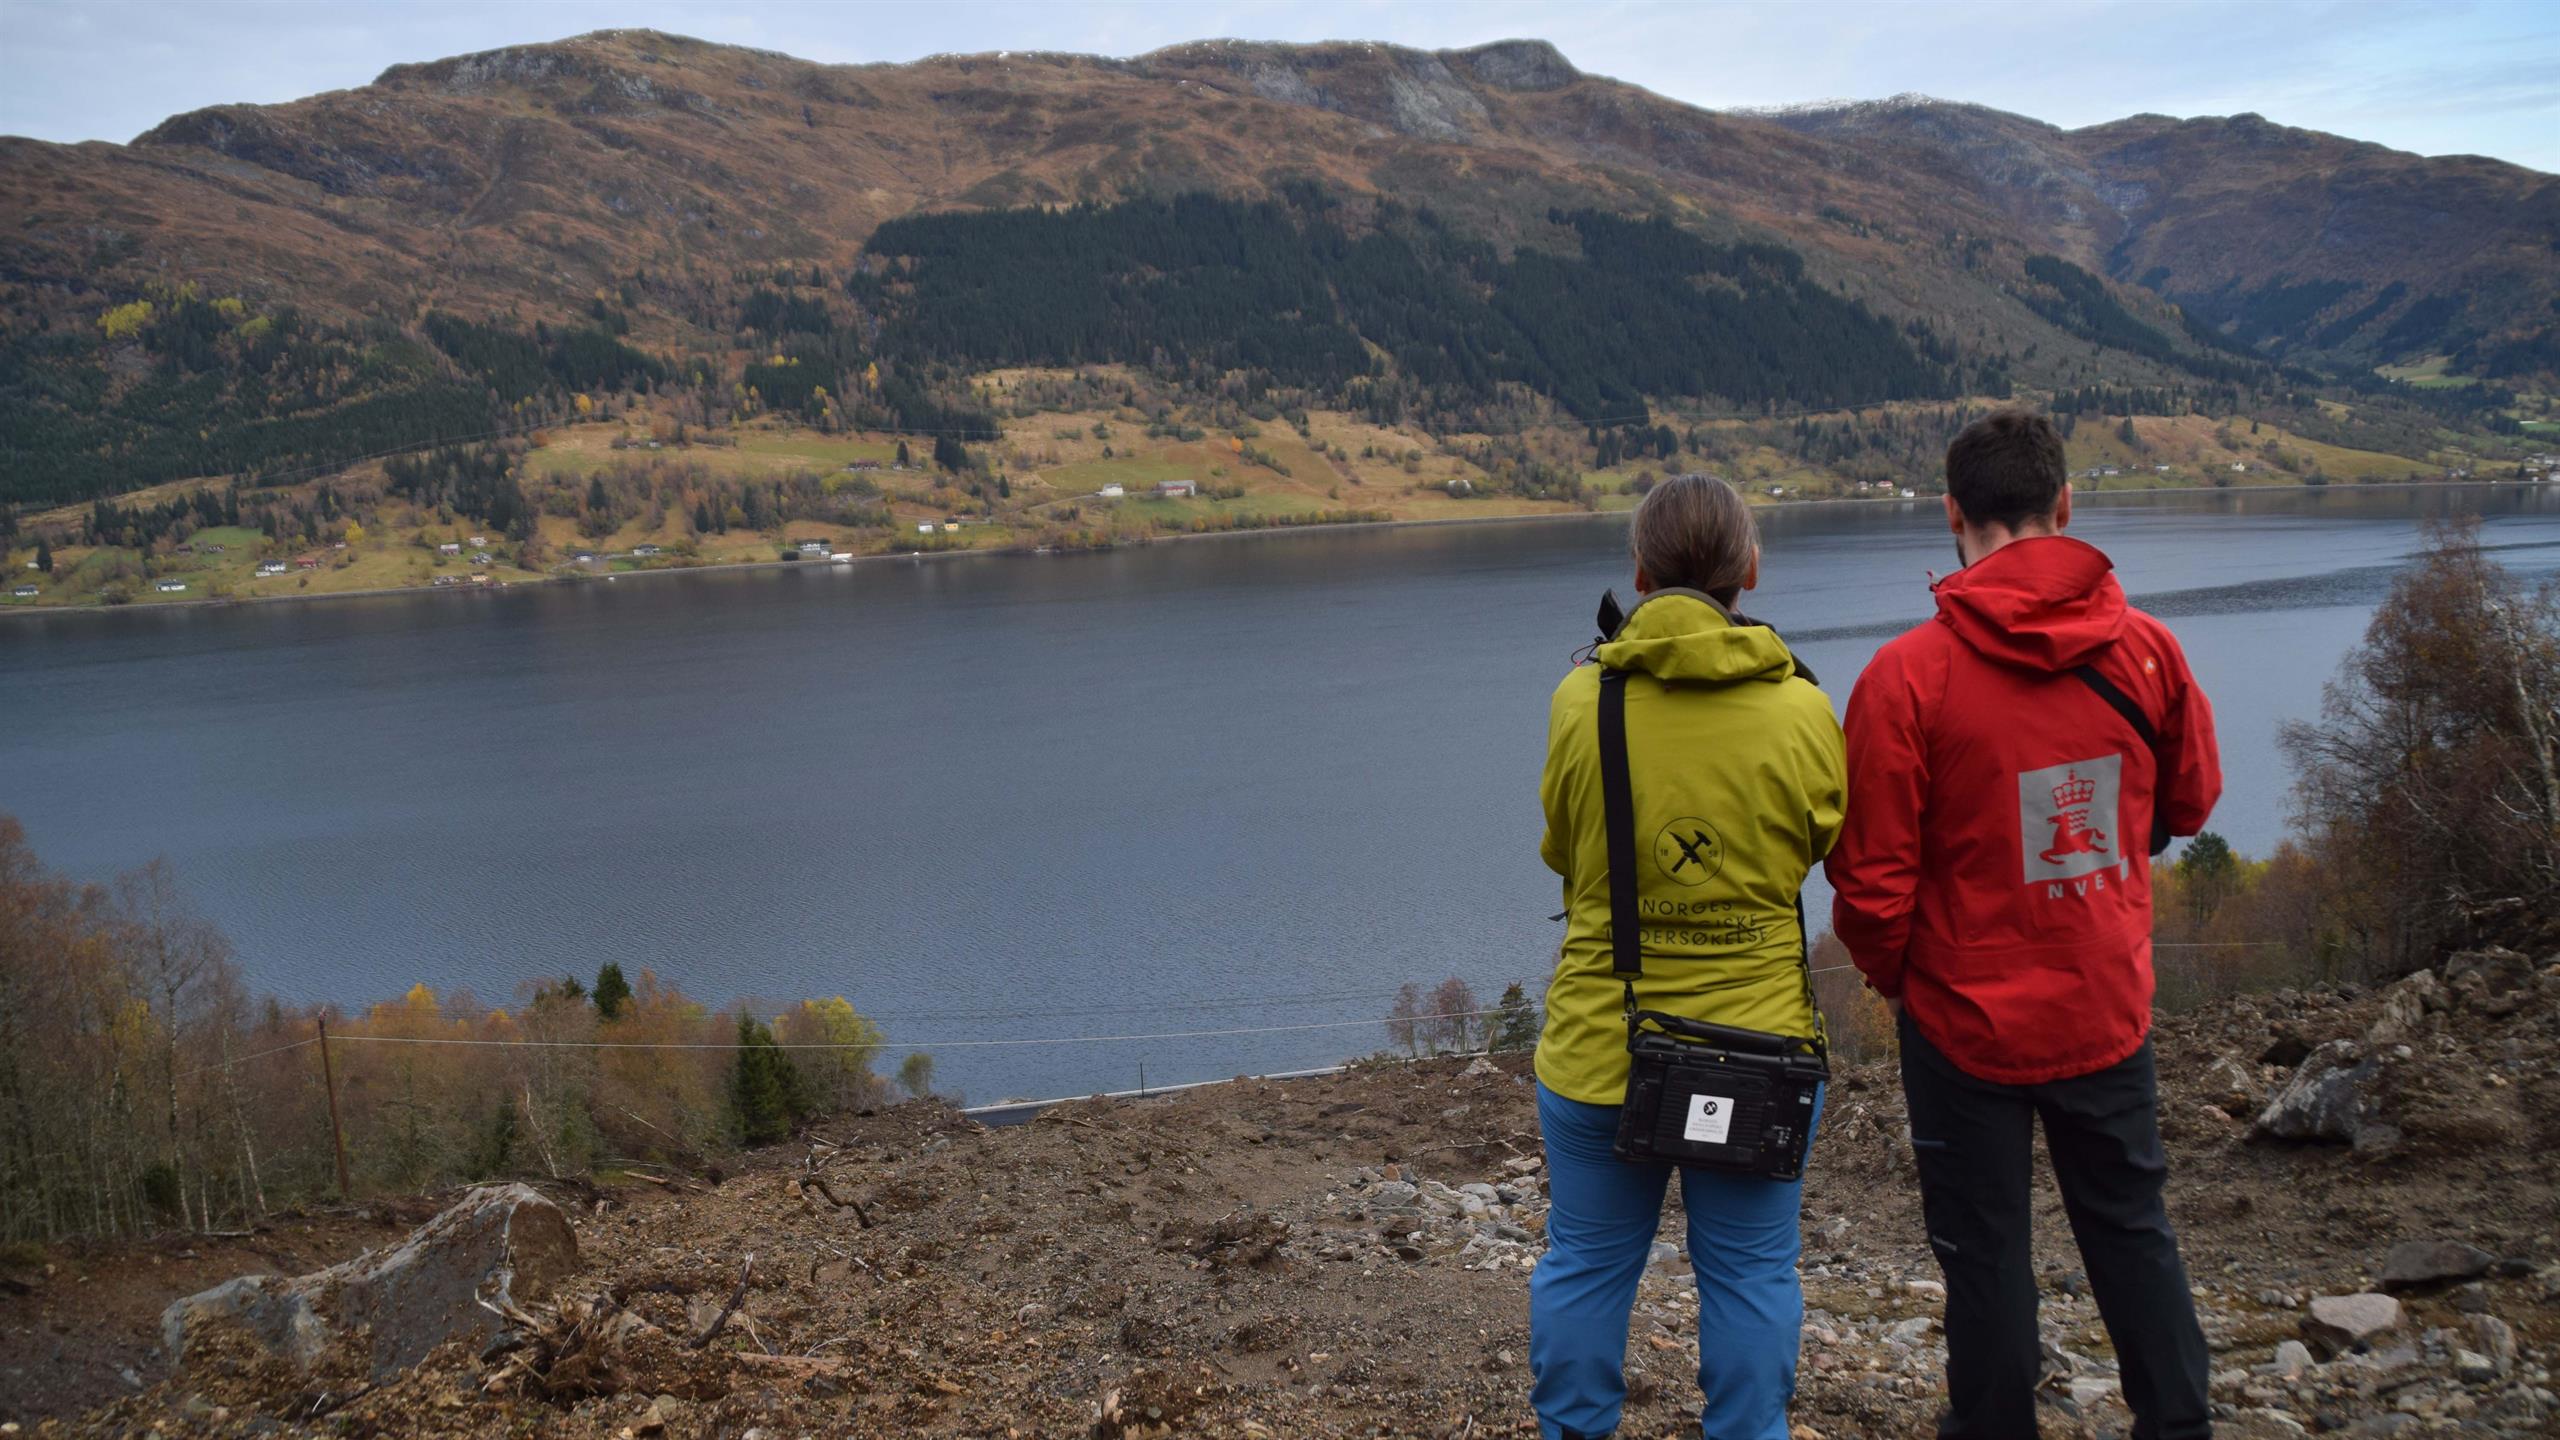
[
  {"x": 1212, "y": 285},
  {"x": 1391, "y": 312}
]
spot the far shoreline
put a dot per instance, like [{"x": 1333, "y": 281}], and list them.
[{"x": 731, "y": 567}]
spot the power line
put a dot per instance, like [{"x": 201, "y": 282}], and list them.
[
  {"x": 893, "y": 1044},
  {"x": 245, "y": 1059},
  {"x": 886, "y": 1044}
]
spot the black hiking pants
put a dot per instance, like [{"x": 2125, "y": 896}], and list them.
[{"x": 1974, "y": 1141}]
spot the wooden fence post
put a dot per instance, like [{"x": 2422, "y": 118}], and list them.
[{"x": 337, "y": 1135}]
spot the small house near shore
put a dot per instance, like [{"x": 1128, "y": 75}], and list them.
[
  {"x": 1167, "y": 489},
  {"x": 272, "y": 567},
  {"x": 170, "y": 587},
  {"x": 25, "y": 592}
]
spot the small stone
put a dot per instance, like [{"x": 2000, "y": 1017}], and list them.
[
  {"x": 1926, "y": 1289},
  {"x": 2473, "y": 1368},
  {"x": 2085, "y": 1393},
  {"x": 2413, "y": 1263},
  {"x": 2496, "y": 1339},
  {"x": 2347, "y": 1320},
  {"x": 2292, "y": 1358}
]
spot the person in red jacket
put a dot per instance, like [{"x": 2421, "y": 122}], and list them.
[{"x": 2010, "y": 764}]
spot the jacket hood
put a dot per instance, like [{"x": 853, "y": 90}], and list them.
[
  {"x": 2048, "y": 603},
  {"x": 1685, "y": 635}
]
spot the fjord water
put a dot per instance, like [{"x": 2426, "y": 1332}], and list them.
[{"x": 1234, "y": 784}]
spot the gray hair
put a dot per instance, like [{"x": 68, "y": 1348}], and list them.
[{"x": 1695, "y": 532}]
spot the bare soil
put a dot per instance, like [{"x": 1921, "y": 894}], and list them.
[{"x": 1296, "y": 1258}]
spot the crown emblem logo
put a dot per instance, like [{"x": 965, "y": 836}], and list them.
[{"x": 2072, "y": 832}]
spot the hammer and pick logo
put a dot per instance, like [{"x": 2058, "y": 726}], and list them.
[{"x": 1689, "y": 850}]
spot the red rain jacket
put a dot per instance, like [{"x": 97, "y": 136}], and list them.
[{"x": 1994, "y": 875}]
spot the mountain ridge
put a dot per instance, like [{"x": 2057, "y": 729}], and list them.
[{"x": 524, "y": 185}]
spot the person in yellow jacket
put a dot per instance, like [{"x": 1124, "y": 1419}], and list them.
[{"x": 1739, "y": 779}]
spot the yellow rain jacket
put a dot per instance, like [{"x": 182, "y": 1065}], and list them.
[{"x": 1739, "y": 783}]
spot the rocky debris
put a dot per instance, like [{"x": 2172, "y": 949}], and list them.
[
  {"x": 1246, "y": 1237},
  {"x": 500, "y": 1245},
  {"x": 1480, "y": 1225},
  {"x": 1350, "y": 1256},
  {"x": 2348, "y": 1320},
  {"x": 2415, "y": 1263}
]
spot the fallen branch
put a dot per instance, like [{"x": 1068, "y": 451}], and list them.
[
  {"x": 736, "y": 1297},
  {"x": 818, "y": 1183},
  {"x": 1489, "y": 1141}
]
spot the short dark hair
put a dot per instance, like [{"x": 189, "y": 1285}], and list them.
[{"x": 2006, "y": 468}]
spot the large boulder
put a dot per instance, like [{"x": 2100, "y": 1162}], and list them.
[
  {"x": 2327, "y": 1098},
  {"x": 2404, "y": 1009},
  {"x": 2492, "y": 982},
  {"x": 501, "y": 1243}
]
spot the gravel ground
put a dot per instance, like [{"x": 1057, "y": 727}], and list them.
[{"x": 1349, "y": 1256}]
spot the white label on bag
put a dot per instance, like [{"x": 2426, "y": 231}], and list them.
[{"x": 1710, "y": 1119}]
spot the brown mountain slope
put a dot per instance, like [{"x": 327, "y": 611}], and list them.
[
  {"x": 531, "y": 175},
  {"x": 261, "y": 290},
  {"x": 2224, "y": 215}
]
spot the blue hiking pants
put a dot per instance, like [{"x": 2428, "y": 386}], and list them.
[{"x": 1601, "y": 1220}]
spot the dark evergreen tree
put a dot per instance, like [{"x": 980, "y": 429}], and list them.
[
  {"x": 612, "y": 992},
  {"x": 764, "y": 1088},
  {"x": 44, "y": 555},
  {"x": 1515, "y": 1025}
]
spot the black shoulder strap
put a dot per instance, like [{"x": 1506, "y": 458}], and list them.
[
  {"x": 2088, "y": 675},
  {"x": 2123, "y": 705},
  {"x": 1618, "y": 820}
]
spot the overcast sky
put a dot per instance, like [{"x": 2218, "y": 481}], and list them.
[{"x": 2440, "y": 77}]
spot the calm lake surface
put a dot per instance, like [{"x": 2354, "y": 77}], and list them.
[{"x": 1254, "y": 782}]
